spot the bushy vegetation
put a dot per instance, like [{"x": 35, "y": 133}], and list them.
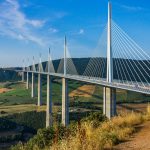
[
  {"x": 94, "y": 132},
  {"x": 47, "y": 136},
  {"x": 6, "y": 125},
  {"x": 10, "y": 138},
  {"x": 13, "y": 127},
  {"x": 32, "y": 121}
]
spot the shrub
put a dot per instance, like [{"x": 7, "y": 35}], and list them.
[
  {"x": 45, "y": 137},
  {"x": 3, "y": 112},
  {"x": 30, "y": 120},
  {"x": 10, "y": 138},
  {"x": 6, "y": 125},
  {"x": 98, "y": 116}
]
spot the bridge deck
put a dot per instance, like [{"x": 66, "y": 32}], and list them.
[{"x": 99, "y": 81}]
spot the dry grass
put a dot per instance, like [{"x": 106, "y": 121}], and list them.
[
  {"x": 147, "y": 115},
  {"x": 83, "y": 91},
  {"x": 105, "y": 135},
  {"x": 148, "y": 109}
]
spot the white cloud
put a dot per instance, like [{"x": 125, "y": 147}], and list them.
[
  {"x": 59, "y": 15},
  {"x": 36, "y": 23},
  {"x": 21, "y": 37},
  {"x": 81, "y": 31},
  {"x": 53, "y": 30},
  {"x": 14, "y": 23},
  {"x": 132, "y": 8}
]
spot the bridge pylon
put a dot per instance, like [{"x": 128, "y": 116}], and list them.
[
  {"x": 23, "y": 68},
  {"x": 40, "y": 84},
  {"x": 27, "y": 82},
  {"x": 22, "y": 76},
  {"x": 109, "y": 94},
  {"x": 33, "y": 81},
  {"x": 49, "y": 117},
  {"x": 65, "y": 98}
]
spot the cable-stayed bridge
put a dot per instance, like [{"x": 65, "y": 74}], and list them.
[{"x": 122, "y": 65}]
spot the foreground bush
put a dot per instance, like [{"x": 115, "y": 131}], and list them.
[
  {"x": 92, "y": 133},
  {"x": 6, "y": 125},
  {"x": 10, "y": 138},
  {"x": 107, "y": 134},
  {"x": 30, "y": 120},
  {"x": 48, "y": 136}
]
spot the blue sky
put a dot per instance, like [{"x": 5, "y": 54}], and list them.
[{"x": 30, "y": 27}]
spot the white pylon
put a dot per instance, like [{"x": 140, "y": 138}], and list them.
[
  {"x": 65, "y": 52},
  {"x": 48, "y": 61},
  {"x": 109, "y": 47}
]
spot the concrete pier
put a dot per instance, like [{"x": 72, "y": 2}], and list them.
[
  {"x": 22, "y": 76},
  {"x": 65, "y": 102},
  {"x": 27, "y": 83},
  {"x": 49, "y": 119},
  {"x": 39, "y": 90},
  {"x": 33, "y": 86},
  {"x": 109, "y": 102}
]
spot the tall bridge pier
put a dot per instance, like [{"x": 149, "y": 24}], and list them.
[
  {"x": 65, "y": 97},
  {"x": 109, "y": 102},
  {"x": 27, "y": 82},
  {"x": 65, "y": 102},
  {"x": 33, "y": 86},
  {"x": 49, "y": 116},
  {"x": 40, "y": 83},
  {"x": 49, "y": 119},
  {"x": 22, "y": 76},
  {"x": 39, "y": 90},
  {"x": 23, "y": 73},
  {"x": 109, "y": 94}
]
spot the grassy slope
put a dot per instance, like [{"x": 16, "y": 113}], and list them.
[{"x": 19, "y": 94}]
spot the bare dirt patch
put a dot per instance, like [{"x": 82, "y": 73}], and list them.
[
  {"x": 4, "y": 90},
  {"x": 139, "y": 141},
  {"x": 83, "y": 91}
]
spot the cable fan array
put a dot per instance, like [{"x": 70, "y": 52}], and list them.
[
  {"x": 49, "y": 64},
  {"x": 131, "y": 63},
  {"x": 96, "y": 67},
  {"x": 70, "y": 67}
]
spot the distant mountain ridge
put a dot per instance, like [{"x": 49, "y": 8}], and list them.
[{"x": 125, "y": 69}]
